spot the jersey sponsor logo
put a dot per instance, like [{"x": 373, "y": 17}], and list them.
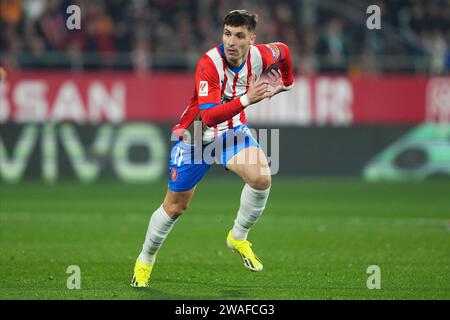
[
  {"x": 203, "y": 89},
  {"x": 174, "y": 174}
]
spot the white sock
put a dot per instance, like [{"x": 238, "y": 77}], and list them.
[
  {"x": 252, "y": 206},
  {"x": 158, "y": 228}
]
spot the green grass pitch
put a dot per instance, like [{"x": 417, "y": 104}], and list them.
[{"x": 316, "y": 238}]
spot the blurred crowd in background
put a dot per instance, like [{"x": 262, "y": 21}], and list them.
[{"x": 146, "y": 35}]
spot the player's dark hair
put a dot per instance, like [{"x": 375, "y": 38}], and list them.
[{"x": 237, "y": 18}]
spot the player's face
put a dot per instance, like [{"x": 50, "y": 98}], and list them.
[{"x": 236, "y": 42}]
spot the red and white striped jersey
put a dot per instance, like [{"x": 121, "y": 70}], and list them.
[{"x": 219, "y": 87}]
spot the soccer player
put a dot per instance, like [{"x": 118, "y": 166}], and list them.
[{"x": 228, "y": 78}]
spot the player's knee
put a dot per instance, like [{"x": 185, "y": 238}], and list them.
[
  {"x": 260, "y": 182},
  {"x": 174, "y": 210}
]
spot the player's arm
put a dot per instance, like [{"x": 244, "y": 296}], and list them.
[
  {"x": 278, "y": 53},
  {"x": 209, "y": 95}
]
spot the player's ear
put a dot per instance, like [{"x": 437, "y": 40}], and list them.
[{"x": 252, "y": 38}]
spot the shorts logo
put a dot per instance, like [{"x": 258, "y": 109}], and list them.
[
  {"x": 174, "y": 174},
  {"x": 203, "y": 89}
]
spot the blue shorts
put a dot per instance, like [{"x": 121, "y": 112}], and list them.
[{"x": 188, "y": 163}]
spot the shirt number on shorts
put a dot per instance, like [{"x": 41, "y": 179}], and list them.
[{"x": 179, "y": 155}]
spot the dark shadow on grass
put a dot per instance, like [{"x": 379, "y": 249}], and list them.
[
  {"x": 235, "y": 294},
  {"x": 155, "y": 294},
  {"x": 226, "y": 292}
]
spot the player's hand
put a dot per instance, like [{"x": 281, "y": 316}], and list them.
[
  {"x": 2, "y": 74},
  {"x": 257, "y": 91},
  {"x": 276, "y": 83}
]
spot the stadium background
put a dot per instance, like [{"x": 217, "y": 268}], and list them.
[{"x": 85, "y": 118}]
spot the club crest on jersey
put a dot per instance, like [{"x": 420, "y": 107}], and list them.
[
  {"x": 203, "y": 89},
  {"x": 174, "y": 174}
]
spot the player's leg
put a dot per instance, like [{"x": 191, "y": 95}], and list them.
[
  {"x": 159, "y": 227},
  {"x": 183, "y": 177},
  {"x": 252, "y": 166},
  {"x": 249, "y": 162},
  {"x": 162, "y": 221}
]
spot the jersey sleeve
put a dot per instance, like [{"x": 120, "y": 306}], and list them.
[
  {"x": 209, "y": 95},
  {"x": 207, "y": 83},
  {"x": 278, "y": 53}
]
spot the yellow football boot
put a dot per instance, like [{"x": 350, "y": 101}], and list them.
[
  {"x": 141, "y": 276},
  {"x": 243, "y": 247}
]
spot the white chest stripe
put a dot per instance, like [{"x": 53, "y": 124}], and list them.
[{"x": 241, "y": 86}]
